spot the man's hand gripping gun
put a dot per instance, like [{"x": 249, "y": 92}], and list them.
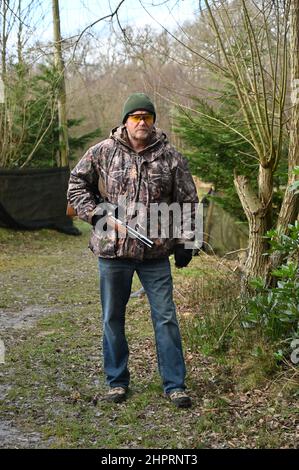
[{"x": 118, "y": 225}]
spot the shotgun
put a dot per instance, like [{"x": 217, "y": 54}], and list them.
[{"x": 118, "y": 225}]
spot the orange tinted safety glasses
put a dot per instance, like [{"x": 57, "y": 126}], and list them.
[{"x": 147, "y": 118}]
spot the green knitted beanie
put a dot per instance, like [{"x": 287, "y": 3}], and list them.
[{"x": 136, "y": 102}]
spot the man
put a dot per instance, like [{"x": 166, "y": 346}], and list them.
[{"x": 137, "y": 163}]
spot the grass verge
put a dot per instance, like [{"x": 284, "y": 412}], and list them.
[{"x": 52, "y": 379}]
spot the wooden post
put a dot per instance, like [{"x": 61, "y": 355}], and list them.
[{"x": 58, "y": 59}]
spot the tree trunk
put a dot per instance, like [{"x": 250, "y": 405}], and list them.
[
  {"x": 259, "y": 209},
  {"x": 256, "y": 212},
  {"x": 20, "y": 30},
  {"x": 289, "y": 208},
  {"x": 3, "y": 93},
  {"x": 62, "y": 119},
  {"x": 290, "y": 205},
  {"x": 4, "y": 40},
  {"x": 265, "y": 185}
]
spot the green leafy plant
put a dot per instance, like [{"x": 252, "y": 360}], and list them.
[
  {"x": 276, "y": 309},
  {"x": 295, "y": 185}
]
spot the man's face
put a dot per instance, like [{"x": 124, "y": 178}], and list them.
[{"x": 138, "y": 127}]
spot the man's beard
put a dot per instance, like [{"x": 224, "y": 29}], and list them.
[{"x": 141, "y": 134}]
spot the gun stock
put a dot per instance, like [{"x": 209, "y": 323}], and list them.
[{"x": 70, "y": 211}]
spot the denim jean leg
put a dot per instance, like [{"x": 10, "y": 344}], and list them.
[
  {"x": 115, "y": 287},
  {"x": 156, "y": 279}
]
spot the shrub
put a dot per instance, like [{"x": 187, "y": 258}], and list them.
[{"x": 276, "y": 309}]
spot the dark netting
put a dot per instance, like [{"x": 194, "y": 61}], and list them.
[{"x": 34, "y": 199}]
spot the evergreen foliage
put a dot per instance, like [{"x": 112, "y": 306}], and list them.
[
  {"x": 33, "y": 119},
  {"x": 217, "y": 147}
]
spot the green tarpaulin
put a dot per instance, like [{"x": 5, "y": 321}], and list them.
[{"x": 34, "y": 199}]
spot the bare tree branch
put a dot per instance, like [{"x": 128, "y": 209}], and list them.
[{"x": 111, "y": 15}]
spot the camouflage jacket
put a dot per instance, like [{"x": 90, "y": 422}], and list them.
[{"x": 111, "y": 169}]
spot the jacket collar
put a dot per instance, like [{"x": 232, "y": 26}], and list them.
[{"x": 152, "y": 151}]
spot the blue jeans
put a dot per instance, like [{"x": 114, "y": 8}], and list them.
[{"x": 115, "y": 285}]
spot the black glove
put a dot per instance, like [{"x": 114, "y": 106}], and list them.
[
  {"x": 96, "y": 218},
  {"x": 182, "y": 256}
]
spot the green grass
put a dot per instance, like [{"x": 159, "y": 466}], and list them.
[{"x": 55, "y": 371}]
